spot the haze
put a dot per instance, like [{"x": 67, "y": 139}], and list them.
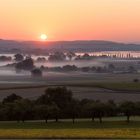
[{"x": 116, "y": 20}]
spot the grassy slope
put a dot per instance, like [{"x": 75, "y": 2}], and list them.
[
  {"x": 81, "y": 129},
  {"x": 106, "y": 85},
  {"x": 128, "y": 86},
  {"x": 122, "y": 86}
]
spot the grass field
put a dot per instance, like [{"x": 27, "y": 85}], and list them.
[
  {"x": 104, "y": 91},
  {"x": 113, "y": 128},
  {"x": 129, "y": 86},
  {"x": 71, "y": 133},
  {"x": 121, "y": 86}
]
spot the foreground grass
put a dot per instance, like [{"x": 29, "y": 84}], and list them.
[
  {"x": 65, "y": 129},
  {"x": 71, "y": 133}
]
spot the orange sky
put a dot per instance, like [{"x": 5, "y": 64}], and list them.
[{"x": 117, "y": 20}]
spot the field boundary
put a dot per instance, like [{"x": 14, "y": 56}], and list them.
[{"x": 73, "y": 85}]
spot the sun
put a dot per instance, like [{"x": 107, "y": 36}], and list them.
[{"x": 43, "y": 37}]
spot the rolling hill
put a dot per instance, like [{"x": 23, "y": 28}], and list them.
[{"x": 11, "y": 46}]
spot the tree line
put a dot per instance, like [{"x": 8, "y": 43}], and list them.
[{"x": 58, "y": 103}]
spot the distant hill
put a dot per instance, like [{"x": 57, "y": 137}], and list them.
[{"x": 11, "y": 46}]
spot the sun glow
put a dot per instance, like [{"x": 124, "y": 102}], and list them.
[{"x": 43, "y": 37}]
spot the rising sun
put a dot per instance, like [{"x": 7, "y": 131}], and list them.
[{"x": 43, "y": 37}]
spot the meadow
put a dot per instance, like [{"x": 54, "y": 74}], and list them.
[
  {"x": 101, "y": 90},
  {"x": 118, "y": 87},
  {"x": 111, "y": 128}
]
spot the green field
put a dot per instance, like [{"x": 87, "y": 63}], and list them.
[
  {"x": 121, "y": 86},
  {"x": 110, "y": 128},
  {"x": 107, "y": 85},
  {"x": 128, "y": 86}
]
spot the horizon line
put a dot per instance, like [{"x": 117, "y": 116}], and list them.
[{"x": 113, "y": 41}]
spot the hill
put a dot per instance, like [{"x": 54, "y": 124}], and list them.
[{"x": 11, "y": 46}]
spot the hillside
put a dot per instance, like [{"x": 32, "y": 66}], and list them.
[{"x": 9, "y": 46}]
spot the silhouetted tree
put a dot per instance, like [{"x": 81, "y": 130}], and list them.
[
  {"x": 69, "y": 68},
  {"x": 58, "y": 56},
  {"x": 5, "y": 58},
  {"x": 86, "y": 56},
  {"x": 73, "y": 109},
  {"x": 128, "y": 109},
  {"x": 36, "y": 72},
  {"x": 111, "y": 67},
  {"x": 85, "y": 69},
  {"x": 43, "y": 111},
  {"x": 136, "y": 80},
  {"x": 131, "y": 69},
  {"x": 18, "y": 57},
  {"x": 27, "y": 64},
  {"x": 41, "y": 59},
  {"x": 98, "y": 110},
  {"x": 11, "y": 98},
  {"x": 70, "y": 55},
  {"x": 24, "y": 109},
  {"x": 61, "y": 96},
  {"x": 111, "y": 108}
]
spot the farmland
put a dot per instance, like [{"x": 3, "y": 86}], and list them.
[
  {"x": 98, "y": 87},
  {"x": 110, "y": 128},
  {"x": 102, "y": 87}
]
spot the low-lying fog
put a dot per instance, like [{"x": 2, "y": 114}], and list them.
[
  {"x": 90, "y": 63},
  {"x": 84, "y": 63},
  {"x": 97, "y": 62}
]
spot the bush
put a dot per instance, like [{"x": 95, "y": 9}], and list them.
[{"x": 36, "y": 72}]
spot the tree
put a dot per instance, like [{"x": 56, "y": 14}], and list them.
[
  {"x": 136, "y": 80},
  {"x": 97, "y": 110},
  {"x": 127, "y": 108},
  {"x": 111, "y": 108},
  {"x": 24, "y": 109},
  {"x": 85, "y": 69},
  {"x": 94, "y": 109},
  {"x": 69, "y": 68},
  {"x": 61, "y": 96},
  {"x": 9, "y": 112},
  {"x": 41, "y": 59},
  {"x": 78, "y": 57},
  {"x": 93, "y": 69},
  {"x": 55, "y": 112},
  {"x": 131, "y": 69},
  {"x": 27, "y": 64},
  {"x": 86, "y": 56},
  {"x": 5, "y": 58},
  {"x": 11, "y": 98},
  {"x": 99, "y": 69},
  {"x": 137, "y": 107},
  {"x": 71, "y": 55},
  {"x": 36, "y": 72},
  {"x": 18, "y": 57},
  {"x": 73, "y": 109},
  {"x": 3, "y": 115},
  {"x": 42, "y": 111},
  {"x": 87, "y": 108},
  {"x": 111, "y": 67},
  {"x": 57, "y": 56}
]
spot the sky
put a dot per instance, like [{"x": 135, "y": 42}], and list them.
[{"x": 115, "y": 20}]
